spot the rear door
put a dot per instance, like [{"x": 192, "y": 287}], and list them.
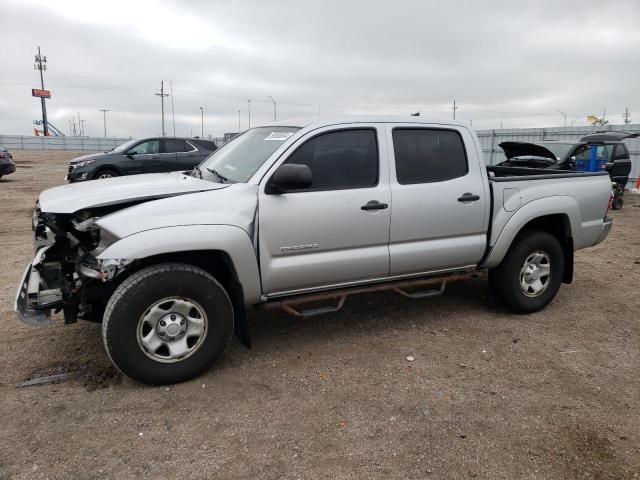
[
  {"x": 440, "y": 195},
  {"x": 322, "y": 236},
  {"x": 181, "y": 154}
]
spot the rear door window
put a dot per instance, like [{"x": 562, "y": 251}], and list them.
[
  {"x": 176, "y": 146},
  {"x": 621, "y": 152},
  {"x": 428, "y": 155}
]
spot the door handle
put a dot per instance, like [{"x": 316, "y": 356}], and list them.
[
  {"x": 469, "y": 197},
  {"x": 374, "y": 205}
]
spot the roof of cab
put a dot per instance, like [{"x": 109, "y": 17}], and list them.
[{"x": 325, "y": 121}]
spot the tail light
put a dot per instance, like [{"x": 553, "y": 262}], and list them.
[
  {"x": 4, "y": 154},
  {"x": 610, "y": 203}
]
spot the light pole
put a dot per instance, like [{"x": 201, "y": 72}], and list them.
[
  {"x": 238, "y": 121},
  {"x": 41, "y": 64},
  {"x": 162, "y": 95},
  {"x": 274, "y": 107},
  {"x": 249, "y": 104},
  {"x": 104, "y": 119},
  {"x": 564, "y": 115},
  {"x": 202, "y": 122}
]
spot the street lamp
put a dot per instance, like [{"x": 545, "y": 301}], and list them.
[
  {"x": 104, "y": 118},
  {"x": 564, "y": 115},
  {"x": 202, "y": 122},
  {"x": 274, "y": 107}
]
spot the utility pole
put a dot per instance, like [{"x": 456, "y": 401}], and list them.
[
  {"x": 41, "y": 64},
  {"x": 238, "y": 121},
  {"x": 564, "y": 115},
  {"x": 162, "y": 95},
  {"x": 79, "y": 125},
  {"x": 84, "y": 130},
  {"x": 274, "y": 107},
  {"x": 627, "y": 116},
  {"x": 249, "y": 103},
  {"x": 202, "y": 122},
  {"x": 454, "y": 109},
  {"x": 104, "y": 120}
]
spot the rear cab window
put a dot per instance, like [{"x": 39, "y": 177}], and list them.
[{"x": 427, "y": 155}]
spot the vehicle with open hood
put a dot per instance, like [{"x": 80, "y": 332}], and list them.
[
  {"x": 597, "y": 151},
  {"x": 297, "y": 212}
]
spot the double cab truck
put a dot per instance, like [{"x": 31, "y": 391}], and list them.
[{"x": 293, "y": 212}]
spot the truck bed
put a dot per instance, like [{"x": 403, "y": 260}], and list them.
[{"x": 503, "y": 173}]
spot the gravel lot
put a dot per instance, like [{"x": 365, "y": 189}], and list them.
[{"x": 489, "y": 394}]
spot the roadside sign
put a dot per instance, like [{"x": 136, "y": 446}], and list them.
[{"x": 36, "y": 92}]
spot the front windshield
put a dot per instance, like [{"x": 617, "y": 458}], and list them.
[
  {"x": 125, "y": 146},
  {"x": 239, "y": 159}
]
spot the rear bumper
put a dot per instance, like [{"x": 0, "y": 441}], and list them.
[
  {"x": 606, "y": 228},
  {"x": 6, "y": 169}
]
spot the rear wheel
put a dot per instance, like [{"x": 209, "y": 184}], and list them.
[
  {"x": 106, "y": 174},
  {"x": 617, "y": 203},
  {"x": 530, "y": 275},
  {"x": 167, "y": 323}
]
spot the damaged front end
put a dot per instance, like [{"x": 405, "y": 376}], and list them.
[{"x": 65, "y": 274}]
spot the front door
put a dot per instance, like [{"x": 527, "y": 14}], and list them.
[
  {"x": 145, "y": 157},
  {"x": 336, "y": 231},
  {"x": 440, "y": 203}
]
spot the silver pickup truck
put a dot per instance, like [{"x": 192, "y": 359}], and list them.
[{"x": 297, "y": 212}]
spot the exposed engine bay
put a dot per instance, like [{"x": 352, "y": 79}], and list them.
[{"x": 65, "y": 274}]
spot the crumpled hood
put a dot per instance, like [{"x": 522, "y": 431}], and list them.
[
  {"x": 112, "y": 191},
  {"x": 235, "y": 205},
  {"x": 526, "y": 149}
]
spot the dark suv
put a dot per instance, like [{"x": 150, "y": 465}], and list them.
[
  {"x": 148, "y": 155},
  {"x": 7, "y": 165}
]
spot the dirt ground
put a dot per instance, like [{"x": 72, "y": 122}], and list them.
[{"x": 552, "y": 395}]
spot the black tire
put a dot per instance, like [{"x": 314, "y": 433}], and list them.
[
  {"x": 105, "y": 173},
  {"x": 617, "y": 203},
  {"x": 505, "y": 280},
  {"x": 133, "y": 299}
]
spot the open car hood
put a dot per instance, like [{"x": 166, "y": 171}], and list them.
[
  {"x": 525, "y": 149},
  {"x": 113, "y": 191},
  {"x": 608, "y": 136}
]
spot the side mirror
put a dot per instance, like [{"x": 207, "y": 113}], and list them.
[
  {"x": 572, "y": 162},
  {"x": 290, "y": 176},
  {"x": 130, "y": 154}
]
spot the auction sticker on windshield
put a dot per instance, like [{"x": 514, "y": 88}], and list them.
[{"x": 278, "y": 136}]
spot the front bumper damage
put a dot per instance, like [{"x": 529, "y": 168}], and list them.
[
  {"x": 33, "y": 304},
  {"x": 64, "y": 274}
]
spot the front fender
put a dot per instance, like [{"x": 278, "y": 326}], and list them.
[
  {"x": 229, "y": 239},
  {"x": 555, "y": 205}
]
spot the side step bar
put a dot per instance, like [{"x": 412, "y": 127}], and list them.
[{"x": 400, "y": 287}]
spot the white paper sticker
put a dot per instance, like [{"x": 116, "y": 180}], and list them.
[{"x": 278, "y": 136}]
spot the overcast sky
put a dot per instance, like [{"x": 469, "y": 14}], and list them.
[{"x": 502, "y": 61}]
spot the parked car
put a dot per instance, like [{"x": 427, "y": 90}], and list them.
[
  {"x": 597, "y": 151},
  {"x": 7, "y": 165},
  {"x": 294, "y": 212},
  {"x": 148, "y": 155}
]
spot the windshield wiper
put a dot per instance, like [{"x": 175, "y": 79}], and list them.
[
  {"x": 196, "y": 170},
  {"x": 222, "y": 179}
]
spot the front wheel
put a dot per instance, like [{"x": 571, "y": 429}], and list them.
[
  {"x": 530, "y": 275},
  {"x": 105, "y": 174},
  {"x": 167, "y": 323}
]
